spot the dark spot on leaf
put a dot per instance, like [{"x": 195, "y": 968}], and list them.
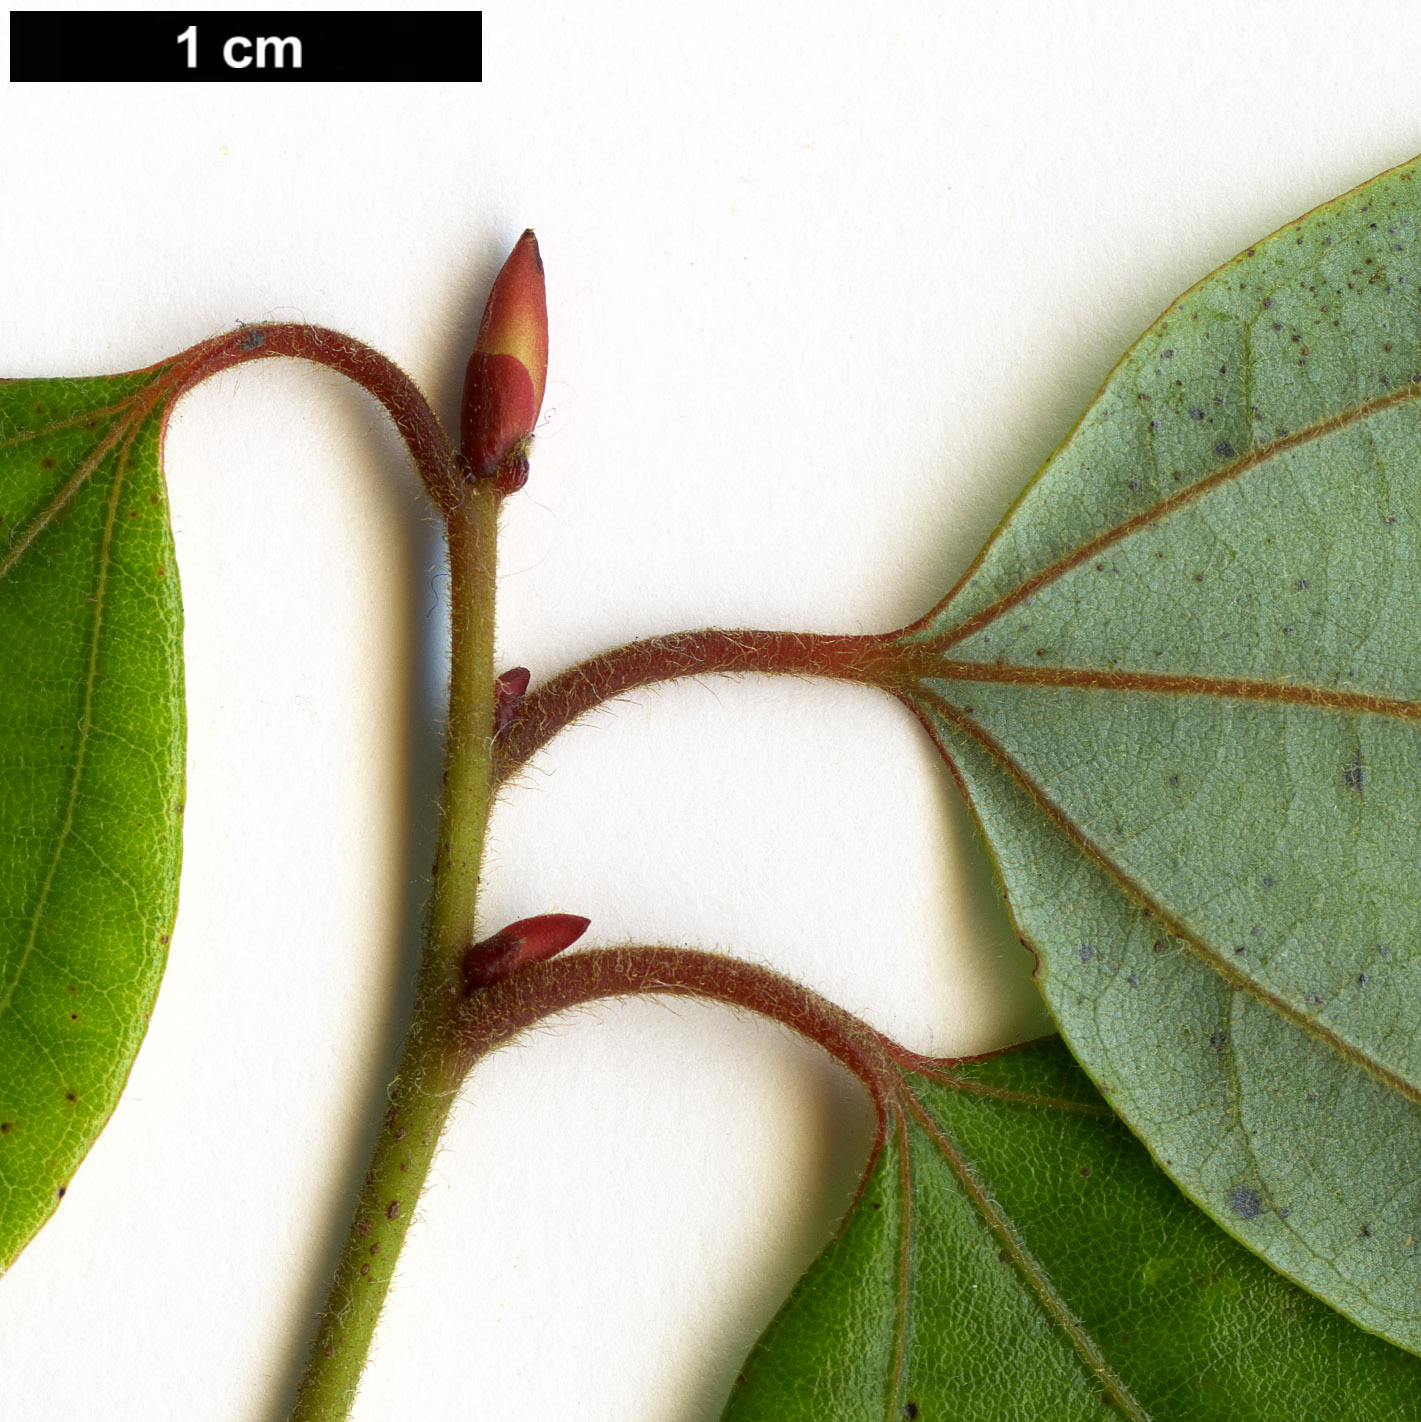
[
  {"x": 364, "y": 1227},
  {"x": 6, "y": 1127},
  {"x": 48, "y": 463},
  {"x": 1177, "y": 474},
  {"x": 70, "y": 1095},
  {"x": 1219, "y": 1039},
  {"x": 1241, "y": 949},
  {"x": 1245, "y": 1202},
  {"x": 1041, "y": 651},
  {"x": 1085, "y": 952},
  {"x": 1133, "y": 980},
  {"x": 1196, "y": 413},
  {"x": 1267, "y": 300},
  {"x": 392, "y": 1210},
  {"x": 1085, "y": 1172},
  {"x": 1158, "y": 945},
  {"x": 1361, "y": 980},
  {"x": 1366, "y": 1231},
  {"x": 910, "y": 1409},
  {"x": 1166, "y": 355},
  {"x": 1352, "y": 775},
  {"x": 1174, "y": 780},
  {"x": 1287, "y": 631},
  {"x": 1283, "y": 1212},
  {"x": 364, "y": 1271},
  {"x": 1003, "y": 1257},
  {"x": 1383, "y": 951},
  {"x": 62, "y": 1191},
  {"x": 1267, "y": 881},
  {"x": 1301, "y": 584},
  {"x": 1198, "y": 577},
  {"x": 1225, "y": 450}
]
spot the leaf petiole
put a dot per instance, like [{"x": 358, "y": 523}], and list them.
[{"x": 874, "y": 659}]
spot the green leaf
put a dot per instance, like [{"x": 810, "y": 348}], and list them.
[
  {"x": 91, "y": 766},
  {"x": 1181, "y": 690},
  {"x": 1014, "y": 1253}
]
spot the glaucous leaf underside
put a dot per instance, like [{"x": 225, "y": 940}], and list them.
[
  {"x": 1014, "y": 1253},
  {"x": 1181, "y": 691},
  {"x": 91, "y": 766}
]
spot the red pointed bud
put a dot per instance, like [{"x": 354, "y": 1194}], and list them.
[
  {"x": 508, "y": 693},
  {"x": 503, "y": 386},
  {"x": 530, "y": 940}
]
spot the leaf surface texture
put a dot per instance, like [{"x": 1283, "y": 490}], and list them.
[
  {"x": 1181, "y": 690},
  {"x": 1014, "y": 1255},
  {"x": 91, "y": 765}
]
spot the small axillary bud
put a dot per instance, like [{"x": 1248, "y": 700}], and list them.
[
  {"x": 503, "y": 386},
  {"x": 508, "y": 693},
  {"x": 530, "y": 940}
]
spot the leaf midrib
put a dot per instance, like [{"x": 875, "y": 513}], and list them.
[{"x": 1281, "y": 693}]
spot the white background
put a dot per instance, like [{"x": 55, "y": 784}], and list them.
[{"x": 825, "y": 288}]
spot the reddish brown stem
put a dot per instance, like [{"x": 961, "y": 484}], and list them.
[
  {"x": 418, "y": 425},
  {"x": 495, "y": 1016},
  {"x": 873, "y": 659}
]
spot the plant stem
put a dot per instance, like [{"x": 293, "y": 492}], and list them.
[{"x": 430, "y": 1071}]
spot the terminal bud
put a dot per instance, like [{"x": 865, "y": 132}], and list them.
[{"x": 503, "y": 386}]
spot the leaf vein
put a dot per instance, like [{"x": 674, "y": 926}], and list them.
[
  {"x": 1093, "y": 547},
  {"x": 1200, "y": 946},
  {"x": 1027, "y": 1264},
  {"x": 85, "y": 722}
]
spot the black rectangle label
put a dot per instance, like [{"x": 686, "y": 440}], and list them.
[{"x": 354, "y": 46}]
